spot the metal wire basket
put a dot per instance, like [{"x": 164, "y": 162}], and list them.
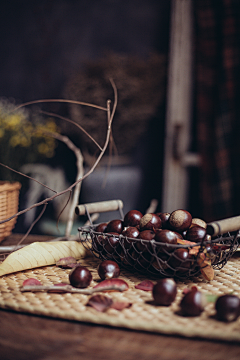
[{"x": 161, "y": 259}]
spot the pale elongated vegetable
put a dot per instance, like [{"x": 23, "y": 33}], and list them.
[{"x": 41, "y": 254}]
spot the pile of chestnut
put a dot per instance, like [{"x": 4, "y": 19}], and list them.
[
  {"x": 193, "y": 302},
  {"x": 164, "y": 292},
  {"x": 128, "y": 241}
]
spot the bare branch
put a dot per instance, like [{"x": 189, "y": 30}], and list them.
[
  {"x": 110, "y": 116},
  {"x": 29, "y": 177},
  {"x": 60, "y": 101},
  {"x": 73, "y": 122}
]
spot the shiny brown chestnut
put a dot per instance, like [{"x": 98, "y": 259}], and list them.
[
  {"x": 111, "y": 243},
  {"x": 132, "y": 218},
  {"x": 80, "y": 277},
  {"x": 130, "y": 232},
  {"x": 167, "y": 237},
  {"x": 193, "y": 303},
  {"x": 164, "y": 218},
  {"x": 164, "y": 292},
  {"x": 180, "y": 220},
  {"x": 108, "y": 269},
  {"x": 227, "y": 307},
  {"x": 150, "y": 222},
  {"x": 144, "y": 235},
  {"x": 101, "y": 227},
  {"x": 196, "y": 233},
  {"x": 114, "y": 226},
  {"x": 180, "y": 260}
]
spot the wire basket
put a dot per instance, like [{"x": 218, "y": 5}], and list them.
[
  {"x": 9, "y": 201},
  {"x": 161, "y": 259}
]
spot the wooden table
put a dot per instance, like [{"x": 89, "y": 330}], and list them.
[{"x": 25, "y": 337}]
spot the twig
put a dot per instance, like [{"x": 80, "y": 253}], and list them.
[
  {"x": 71, "y": 289},
  {"x": 110, "y": 116}
]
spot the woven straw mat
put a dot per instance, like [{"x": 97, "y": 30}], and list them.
[{"x": 142, "y": 315}]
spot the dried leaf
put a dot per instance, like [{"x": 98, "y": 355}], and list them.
[
  {"x": 41, "y": 254},
  {"x": 66, "y": 262},
  {"x": 146, "y": 285},
  {"x": 193, "y": 250},
  {"x": 100, "y": 302},
  {"x": 207, "y": 270},
  {"x": 118, "y": 283},
  {"x": 120, "y": 305},
  {"x": 31, "y": 281}
]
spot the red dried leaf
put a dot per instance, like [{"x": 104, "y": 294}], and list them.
[
  {"x": 187, "y": 290},
  {"x": 100, "y": 302},
  {"x": 146, "y": 285},
  {"x": 66, "y": 262},
  {"x": 31, "y": 281},
  {"x": 118, "y": 283},
  {"x": 120, "y": 305}
]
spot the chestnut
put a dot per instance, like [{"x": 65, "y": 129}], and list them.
[
  {"x": 101, "y": 227},
  {"x": 130, "y": 232},
  {"x": 114, "y": 226},
  {"x": 180, "y": 260},
  {"x": 193, "y": 303},
  {"x": 164, "y": 218},
  {"x": 80, "y": 277},
  {"x": 196, "y": 233},
  {"x": 166, "y": 236},
  {"x": 132, "y": 218},
  {"x": 200, "y": 222},
  {"x": 180, "y": 220},
  {"x": 111, "y": 243},
  {"x": 150, "y": 222},
  {"x": 108, "y": 269},
  {"x": 164, "y": 292},
  {"x": 227, "y": 307},
  {"x": 144, "y": 235}
]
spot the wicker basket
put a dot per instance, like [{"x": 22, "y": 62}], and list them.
[{"x": 9, "y": 200}]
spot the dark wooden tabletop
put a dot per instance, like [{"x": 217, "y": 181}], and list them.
[{"x": 25, "y": 337}]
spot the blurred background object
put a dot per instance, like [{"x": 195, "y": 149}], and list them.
[{"x": 176, "y": 66}]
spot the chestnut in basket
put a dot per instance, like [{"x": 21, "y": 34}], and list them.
[
  {"x": 80, "y": 277},
  {"x": 227, "y": 307},
  {"x": 111, "y": 243},
  {"x": 180, "y": 260},
  {"x": 130, "y": 232},
  {"x": 114, "y": 226},
  {"x": 168, "y": 237},
  {"x": 132, "y": 218},
  {"x": 164, "y": 292},
  {"x": 150, "y": 222},
  {"x": 180, "y": 220},
  {"x": 101, "y": 227},
  {"x": 108, "y": 269},
  {"x": 196, "y": 233},
  {"x": 144, "y": 235},
  {"x": 200, "y": 222},
  {"x": 164, "y": 218}
]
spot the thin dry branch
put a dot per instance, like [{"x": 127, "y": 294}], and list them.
[{"x": 110, "y": 116}]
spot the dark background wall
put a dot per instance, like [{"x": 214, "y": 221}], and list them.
[{"x": 43, "y": 43}]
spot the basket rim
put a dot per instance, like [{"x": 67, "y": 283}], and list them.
[{"x": 9, "y": 186}]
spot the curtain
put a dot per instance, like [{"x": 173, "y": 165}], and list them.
[{"x": 217, "y": 105}]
